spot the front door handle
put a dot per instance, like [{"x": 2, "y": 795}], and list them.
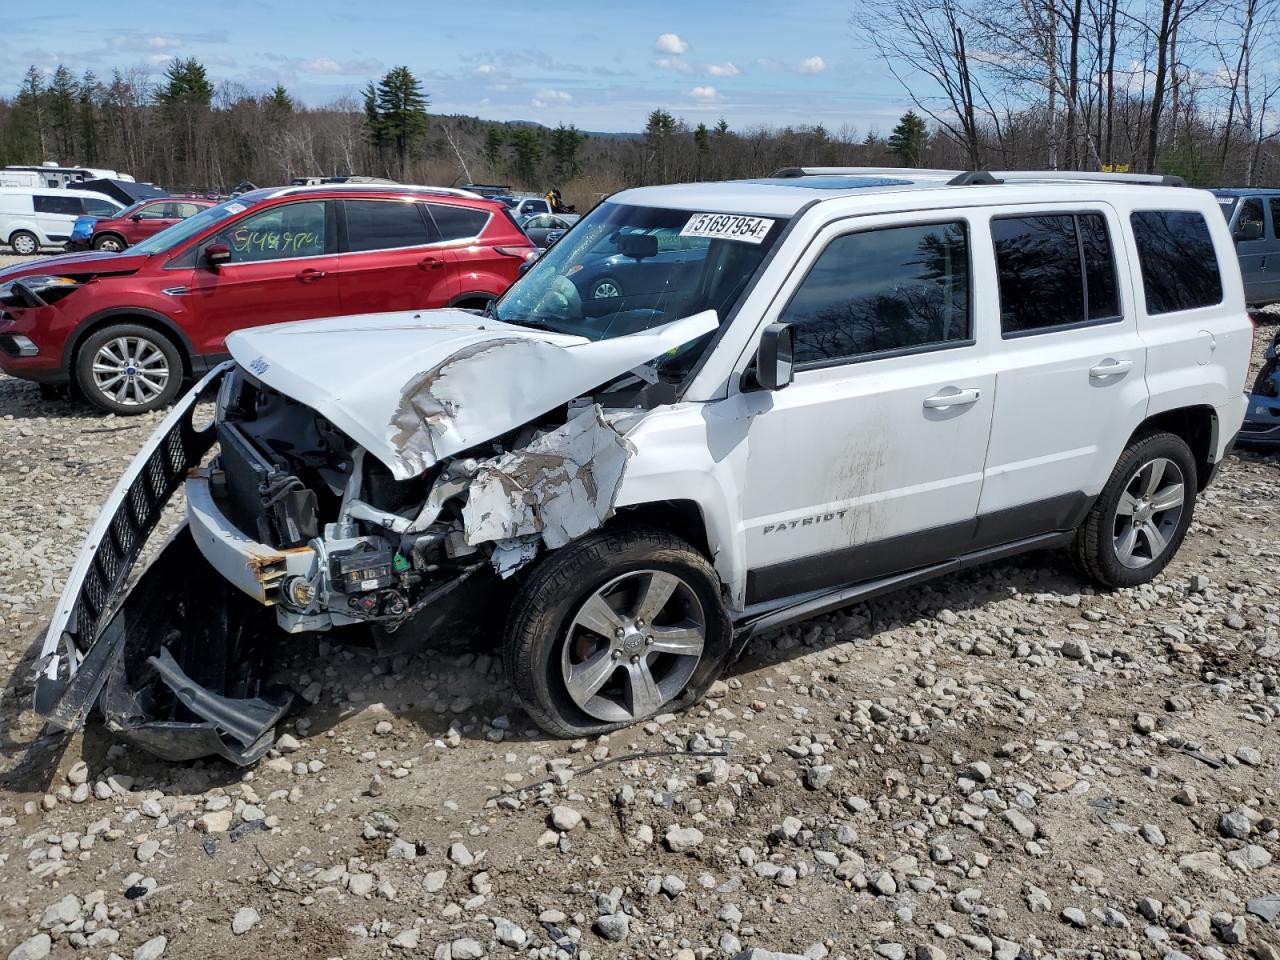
[
  {"x": 430, "y": 263},
  {"x": 1110, "y": 368},
  {"x": 310, "y": 275},
  {"x": 960, "y": 398}
]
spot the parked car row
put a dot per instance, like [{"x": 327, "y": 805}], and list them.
[
  {"x": 44, "y": 217},
  {"x": 126, "y": 328}
]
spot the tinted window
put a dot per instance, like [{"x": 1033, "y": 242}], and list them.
[
  {"x": 384, "y": 225},
  {"x": 286, "y": 230},
  {"x": 458, "y": 223},
  {"x": 1055, "y": 270},
  {"x": 1251, "y": 215},
  {"x": 1275, "y": 217},
  {"x": 99, "y": 208},
  {"x": 1179, "y": 264},
  {"x": 53, "y": 203},
  {"x": 880, "y": 290}
]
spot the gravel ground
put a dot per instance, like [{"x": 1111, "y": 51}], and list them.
[{"x": 1003, "y": 764}]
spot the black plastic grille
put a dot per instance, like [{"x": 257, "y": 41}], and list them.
[{"x": 134, "y": 521}]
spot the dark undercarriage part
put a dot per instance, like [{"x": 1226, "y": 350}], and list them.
[{"x": 190, "y": 680}]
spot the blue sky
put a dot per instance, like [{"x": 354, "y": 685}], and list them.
[{"x": 601, "y": 66}]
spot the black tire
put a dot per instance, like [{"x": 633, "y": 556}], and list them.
[
  {"x": 538, "y": 625},
  {"x": 141, "y": 398},
  {"x": 109, "y": 242},
  {"x": 24, "y": 243},
  {"x": 1095, "y": 550},
  {"x": 606, "y": 282}
]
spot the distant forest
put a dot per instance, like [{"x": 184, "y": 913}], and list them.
[{"x": 1186, "y": 87}]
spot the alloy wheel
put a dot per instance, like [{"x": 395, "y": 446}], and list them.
[
  {"x": 130, "y": 370},
  {"x": 1149, "y": 512},
  {"x": 607, "y": 290},
  {"x": 633, "y": 645},
  {"x": 110, "y": 245}
]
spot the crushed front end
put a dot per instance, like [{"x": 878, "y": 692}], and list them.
[{"x": 1261, "y": 426}]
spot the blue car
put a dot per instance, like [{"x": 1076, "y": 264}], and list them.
[
  {"x": 640, "y": 265},
  {"x": 1262, "y": 420}
]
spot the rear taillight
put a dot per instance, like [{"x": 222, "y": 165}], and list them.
[{"x": 520, "y": 253}]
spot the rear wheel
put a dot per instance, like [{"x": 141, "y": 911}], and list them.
[
  {"x": 129, "y": 369},
  {"x": 24, "y": 243},
  {"x": 109, "y": 243},
  {"x": 615, "y": 628},
  {"x": 1142, "y": 515}
]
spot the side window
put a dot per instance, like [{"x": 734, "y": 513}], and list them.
[
  {"x": 896, "y": 288},
  {"x": 1251, "y": 215},
  {"x": 52, "y": 203},
  {"x": 99, "y": 208},
  {"x": 384, "y": 225},
  {"x": 1056, "y": 270},
  {"x": 154, "y": 211},
  {"x": 277, "y": 233},
  {"x": 457, "y": 223},
  {"x": 184, "y": 210},
  {"x": 1179, "y": 264},
  {"x": 1275, "y": 217}
]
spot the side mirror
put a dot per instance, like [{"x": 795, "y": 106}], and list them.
[
  {"x": 775, "y": 365},
  {"x": 1248, "y": 231},
  {"x": 216, "y": 254},
  {"x": 136, "y": 217}
]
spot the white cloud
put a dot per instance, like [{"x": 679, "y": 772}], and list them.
[
  {"x": 550, "y": 98},
  {"x": 812, "y": 65},
  {"x": 673, "y": 63},
  {"x": 672, "y": 44},
  {"x": 161, "y": 43},
  {"x": 322, "y": 65},
  {"x": 705, "y": 94},
  {"x": 327, "y": 66},
  {"x": 486, "y": 70},
  {"x": 721, "y": 70},
  {"x": 809, "y": 65}
]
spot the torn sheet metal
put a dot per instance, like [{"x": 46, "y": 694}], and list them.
[
  {"x": 97, "y": 581},
  {"x": 557, "y": 488},
  {"x": 414, "y": 388}
]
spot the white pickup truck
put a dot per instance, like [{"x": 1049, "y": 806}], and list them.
[{"x": 707, "y": 411}]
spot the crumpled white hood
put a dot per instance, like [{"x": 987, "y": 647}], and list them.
[{"x": 414, "y": 387}]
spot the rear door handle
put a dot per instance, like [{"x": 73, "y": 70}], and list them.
[
  {"x": 430, "y": 263},
  {"x": 310, "y": 275},
  {"x": 961, "y": 398},
  {"x": 1110, "y": 368}
]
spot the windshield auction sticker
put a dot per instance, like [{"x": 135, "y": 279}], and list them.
[{"x": 727, "y": 226}]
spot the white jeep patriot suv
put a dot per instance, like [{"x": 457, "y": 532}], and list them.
[{"x": 710, "y": 409}]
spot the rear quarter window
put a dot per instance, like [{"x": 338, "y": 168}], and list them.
[
  {"x": 1178, "y": 260},
  {"x": 458, "y": 223}
]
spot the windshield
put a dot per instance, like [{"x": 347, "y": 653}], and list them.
[
  {"x": 623, "y": 269},
  {"x": 184, "y": 230}
]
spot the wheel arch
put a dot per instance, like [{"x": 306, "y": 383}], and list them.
[
  {"x": 473, "y": 299},
  {"x": 681, "y": 518},
  {"x": 139, "y": 315},
  {"x": 109, "y": 233},
  {"x": 1197, "y": 426}
]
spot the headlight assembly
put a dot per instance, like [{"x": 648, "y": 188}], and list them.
[{"x": 36, "y": 291}]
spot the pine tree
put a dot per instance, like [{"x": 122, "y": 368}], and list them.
[
  {"x": 396, "y": 113},
  {"x": 526, "y": 155},
  {"x": 702, "y": 140},
  {"x": 186, "y": 83},
  {"x": 89, "y": 96},
  {"x": 565, "y": 142},
  {"x": 657, "y": 135},
  {"x": 61, "y": 97},
  {"x": 909, "y": 139},
  {"x": 29, "y": 116},
  {"x": 279, "y": 101},
  {"x": 494, "y": 141}
]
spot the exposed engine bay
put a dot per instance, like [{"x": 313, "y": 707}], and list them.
[{"x": 290, "y": 516}]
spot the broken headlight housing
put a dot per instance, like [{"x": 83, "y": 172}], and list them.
[{"x": 36, "y": 291}]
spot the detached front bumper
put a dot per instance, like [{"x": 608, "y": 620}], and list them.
[{"x": 175, "y": 660}]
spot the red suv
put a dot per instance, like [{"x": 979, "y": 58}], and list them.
[
  {"x": 134, "y": 224},
  {"x": 127, "y": 328}
]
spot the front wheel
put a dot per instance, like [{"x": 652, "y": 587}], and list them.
[
  {"x": 129, "y": 369},
  {"x": 615, "y": 628},
  {"x": 108, "y": 243},
  {"x": 606, "y": 289},
  {"x": 1142, "y": 515},
  {"x": 24, "y": 243}
]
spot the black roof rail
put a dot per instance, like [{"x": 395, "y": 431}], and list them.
[{"x": 973, "y": 178}]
